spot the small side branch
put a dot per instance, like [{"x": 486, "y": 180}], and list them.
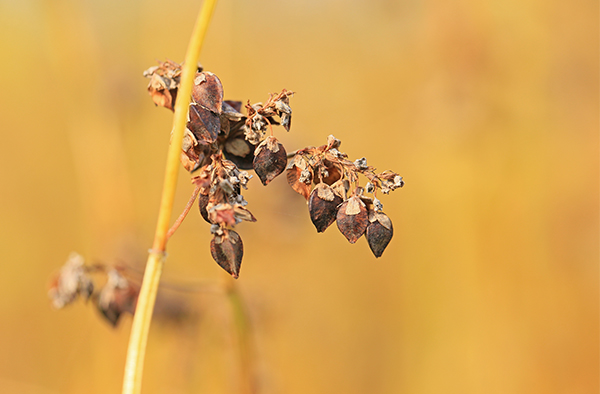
[{"x": 186, "y": 210}]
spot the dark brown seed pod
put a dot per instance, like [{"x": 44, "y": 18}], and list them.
[
  {"x": 270, "y": 160},
  {"x": 227, "y": 250},
  {"x": 204, "y": 124},
  {"x": 379, "y": 232},
  {"x": 208, "y": 91},
  {"x": 202, "y": 203},
  {"x": 323, "y": 205},
  {"x": 352, "y": 219}
]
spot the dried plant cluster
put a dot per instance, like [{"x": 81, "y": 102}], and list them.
[
  {"x": 220, "y": 143},
  {"x": 116, "y": 296}
]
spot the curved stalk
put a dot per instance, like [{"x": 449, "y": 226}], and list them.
[{"x": 132, "y": 381}]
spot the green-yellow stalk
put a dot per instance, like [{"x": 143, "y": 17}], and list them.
[{"x": 134, "y": 365}]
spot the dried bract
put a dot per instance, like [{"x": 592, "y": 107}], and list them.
[
  {"x": 164, "y": 82},
  {"x": 227, "y": 250}
]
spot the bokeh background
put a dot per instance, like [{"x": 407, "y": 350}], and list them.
[{"x": 488, "y": 109}]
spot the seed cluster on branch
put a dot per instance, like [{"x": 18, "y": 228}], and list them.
[{"x": 221, "y": 143}]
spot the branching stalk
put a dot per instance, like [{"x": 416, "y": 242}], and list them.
[{"x": 132, "y": 381}]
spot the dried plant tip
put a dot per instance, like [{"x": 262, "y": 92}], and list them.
[
  {"x": 270, "y": 159},
  {"x": 227, "y": 250},
  {"x": 379, "y": 232},
  {"x": 352, "y": 219},
  {"x": 361, "y": 164},
  {"x": 164, "y": 83},
  {"x": 322, "y": 206},
  {"x": 332, "y": 142}
]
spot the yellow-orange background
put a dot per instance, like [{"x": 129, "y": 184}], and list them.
[{"x": 488, "y": 109}]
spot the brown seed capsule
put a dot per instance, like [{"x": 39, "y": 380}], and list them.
[
  {"x": 202, "y": 203},
  {"x": 270, "y": 160},
  {"x": 204, "y": 124},
  {"x": 379, "y": 232},
  {"x": 322, "y": 206},
  {"x": 228, "y": 250},
  {"x": 208, "y": 91},
  {"x": 352, "y": 219}
]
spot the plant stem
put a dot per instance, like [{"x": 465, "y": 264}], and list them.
[
  {"x": 134, "y": 365},
  {"x": 186, "y": 210}
]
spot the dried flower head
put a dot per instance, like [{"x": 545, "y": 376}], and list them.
[
  {"x": 220, "y": 142},
  {"x": 72, "y": 281}
]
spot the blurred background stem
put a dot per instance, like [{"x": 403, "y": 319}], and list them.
[{"x": 143, "y": 315}]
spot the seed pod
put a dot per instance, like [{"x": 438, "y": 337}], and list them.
[
  {"x": 352, "y": 219},
  {"x": 379, "y": 232},
  {"x": 323, "y": 206},
  {"x": 270, "y": 159},
  {"x": 227, "y": 250},
  {"x": 202, "y": 203},
  {"x": 208, "y": 91},
  {"x": 204, "y": 124}
]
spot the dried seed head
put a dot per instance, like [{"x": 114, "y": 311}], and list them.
[
  {"x": 379, "y": 232},
  {"x": 71, "y": 282},
  {"x": 227, "y": 250},
  {"x": 164, "y": 83},
  {"x": 117, "y": 297},
  {"x": 352, "y": 219},
  {"x": 270, "y": 160},
  {"x": 322, "y": 206}
]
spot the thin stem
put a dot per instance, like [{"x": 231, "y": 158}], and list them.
[
  {"x": 134, "y": 365},
  {"x": 243, "y": 331},
  {"x": 186, "y": 210}
]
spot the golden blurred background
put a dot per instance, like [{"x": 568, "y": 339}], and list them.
[{"x": 489, "y": 110}]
